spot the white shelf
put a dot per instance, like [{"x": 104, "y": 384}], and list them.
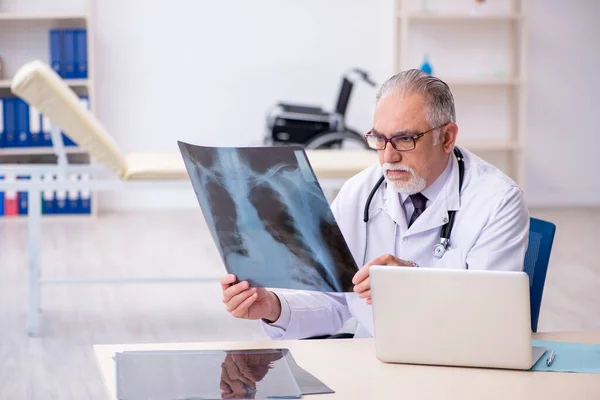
[
  {"x": 489, "y": 145},
  {"x": 424, "y": 16},
  {"x": 10, "y": 151},
  {"x": 467, "y": 32},
  {"x": 41, "y": 17},
  {"x": 5, "y": 84}
]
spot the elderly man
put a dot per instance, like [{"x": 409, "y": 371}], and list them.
[{"x": 414, "y": 131}]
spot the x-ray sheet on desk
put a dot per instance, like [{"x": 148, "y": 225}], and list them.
[
  {"x": 269, "y": 217},
  {"x": 206, "y": 374}
]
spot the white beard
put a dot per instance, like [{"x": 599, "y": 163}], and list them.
[{"x": 414, "y": 185}]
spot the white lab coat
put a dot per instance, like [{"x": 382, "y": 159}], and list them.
[{"x": 490, "y": 232}]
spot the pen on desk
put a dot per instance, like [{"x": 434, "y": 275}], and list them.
[{"x": 550, "y": 358}]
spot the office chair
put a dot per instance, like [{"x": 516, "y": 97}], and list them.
[{"x": 537, "y": 257}]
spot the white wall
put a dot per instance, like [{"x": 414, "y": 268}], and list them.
[
  {"x": 211, "y": 69},
  {"x": 563, "y": 106},
  {"x": 206, "y": 72}
]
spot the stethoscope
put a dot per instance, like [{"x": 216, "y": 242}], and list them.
[{"x": 439, "y": 249}]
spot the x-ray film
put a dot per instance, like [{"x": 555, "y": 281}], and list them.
[{"x": 269, "y": 217}]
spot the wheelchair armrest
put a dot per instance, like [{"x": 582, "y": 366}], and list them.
[{"x": 302, "y": 109}]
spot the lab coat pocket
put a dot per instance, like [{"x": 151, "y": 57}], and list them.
[{"x": 452, "y": 259}]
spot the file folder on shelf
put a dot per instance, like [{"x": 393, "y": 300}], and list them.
[
  {"x": 60, "y": 199},
  {"x": 73, "y": 197},
  {"x": 11, "y": 206},
  {"x": 22, "y": 126},
  {"x": 69, "y": 53},
  {"x": 1, "y": 200},
  {"x": 23, "y": 198},
  {"x": 81, "y": 53},
  {"x": 85, "y": 197},
  {"x": 2, "y": 124},
  {"x": 56, "y": 51},
  {"x": 46, "y": 132},
  {"x": 36, "y": 138},
  {"x": 47, "y": 196},
  {"x": 9, "y": 122}
]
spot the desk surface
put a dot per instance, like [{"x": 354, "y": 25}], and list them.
[{"x": 349, "y": 367}]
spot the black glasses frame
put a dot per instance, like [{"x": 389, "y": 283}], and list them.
[{"x": 391, "y": 140}]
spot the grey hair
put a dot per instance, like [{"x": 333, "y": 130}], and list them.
[{"x": 438, "y": 97}]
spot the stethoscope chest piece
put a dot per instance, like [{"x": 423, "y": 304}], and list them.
[{"x": 439, "y": 250}]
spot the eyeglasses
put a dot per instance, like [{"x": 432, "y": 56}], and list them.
[{"x": 399, "y": 142}]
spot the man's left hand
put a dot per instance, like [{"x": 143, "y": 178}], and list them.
[{"x": 362, "y": 280}]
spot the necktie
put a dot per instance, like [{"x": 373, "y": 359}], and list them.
[{"x": 419, "y": 202}]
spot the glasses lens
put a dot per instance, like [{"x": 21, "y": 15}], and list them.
[
  {"x": 375, "y": 142},
  {"x": 403, "y": 143}
]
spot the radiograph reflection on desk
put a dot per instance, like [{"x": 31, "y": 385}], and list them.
[
  {"x": 269, "y": 217},
  {"x": 212, "y": 374}
]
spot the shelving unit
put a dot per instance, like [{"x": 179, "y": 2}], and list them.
[
  {"x": 481, "y": 56},
  {"x": 10, "y": 151},
  {"x": 24, "y": 36},
  {"x": 461, "y": 17},
  {"x": 17, "y": 16},
  {"x": 74, "y": 83}
]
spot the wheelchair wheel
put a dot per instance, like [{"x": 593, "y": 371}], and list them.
[{"x": 346, "y": 140}]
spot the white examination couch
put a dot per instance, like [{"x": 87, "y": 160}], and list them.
[{"x": 41, "y": 87}]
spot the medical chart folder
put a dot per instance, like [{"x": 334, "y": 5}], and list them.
[
  {"x": 35, "y": 128},
  {"x": 69, "y": 53},
  {"x": 56, "y": 51},
  {"x": 1, "y": 199},
  {"x": 81, "y": 53},
  {"x": 22, "y": 123},
  {"x": 10, "y": 122},
  {"x": 269, "y": 217},
  {"x": 1, "y": 123}
]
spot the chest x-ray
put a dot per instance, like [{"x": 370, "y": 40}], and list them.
[{"x": 269, "y": 217}]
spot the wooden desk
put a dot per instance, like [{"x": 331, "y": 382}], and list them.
[{"x": 349, "y": 367}]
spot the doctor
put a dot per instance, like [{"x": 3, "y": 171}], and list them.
[{"x": 414, "y": 132}]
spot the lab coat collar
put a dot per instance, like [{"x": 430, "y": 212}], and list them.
[{"x": 435, "y": 215}]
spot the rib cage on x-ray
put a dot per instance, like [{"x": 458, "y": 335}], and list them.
[{"x": 269, "y": 218}]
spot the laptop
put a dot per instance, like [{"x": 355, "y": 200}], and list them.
[{"x": 453, "y": 317}]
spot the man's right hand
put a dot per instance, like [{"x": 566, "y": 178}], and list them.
[{"x": 243, "y": 301}]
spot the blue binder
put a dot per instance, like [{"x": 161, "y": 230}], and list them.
[
  {"x": 67, "y": 140},
  {"x": 36, "y": 138},
  {"x": 23, "y": 198},
  {"x": 73, "y": 198},
  {"x": 48, "y": 196},
  {"x": 56, "y": 51},
  {"x": 81, "y": 53},
  {"x": 1, "y": 122},
  {"x": 85, "y": 196},
  {"x": 22, "y": 123},
  {"x": 69, "y": 53},
  {"x": 60, "y": 199},
  {"x": 10, "y": 114},
  {"x": 1, "y": 199}
]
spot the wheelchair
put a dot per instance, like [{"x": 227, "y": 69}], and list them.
[{"x": 313, "y": 127}]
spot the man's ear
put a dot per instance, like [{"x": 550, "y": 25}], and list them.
[{"x": 449, "y": 134}]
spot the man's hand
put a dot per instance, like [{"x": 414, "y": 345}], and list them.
[
  {"x": 241, "y": 370},
  {"x": 243, "y": 301},
  {"x": 362, "y": 280}
]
